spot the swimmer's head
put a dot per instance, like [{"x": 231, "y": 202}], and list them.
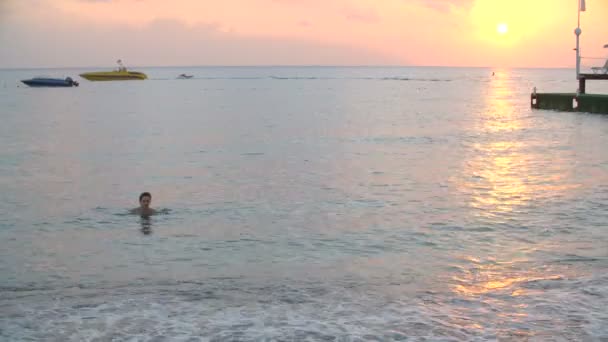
[{"x": 144, "y": 199}]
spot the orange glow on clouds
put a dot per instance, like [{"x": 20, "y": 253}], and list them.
[{"x": 338, "y": 32}]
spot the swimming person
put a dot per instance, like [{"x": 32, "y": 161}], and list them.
[{"x": 144, "y": 209}]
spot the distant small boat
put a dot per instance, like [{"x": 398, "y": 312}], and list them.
[
  {"x": 120, "y": 74},
  {"x": 50, "y": 82},
  {"x": 184, "y": 76}
]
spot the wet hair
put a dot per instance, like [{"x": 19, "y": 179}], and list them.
[{"x": 144, "y": 194}]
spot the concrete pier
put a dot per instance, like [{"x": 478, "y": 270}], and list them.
[
  {"x": 573, "y": 102},
  {"x": 570, "y": 102}
]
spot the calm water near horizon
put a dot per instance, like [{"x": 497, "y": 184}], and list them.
[{"x": 304, "y": 204}]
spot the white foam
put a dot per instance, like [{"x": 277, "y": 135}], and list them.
[{"x": 228, "y": 310}]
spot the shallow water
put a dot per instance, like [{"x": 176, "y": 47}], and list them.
[{"x": 306, "y": 203}]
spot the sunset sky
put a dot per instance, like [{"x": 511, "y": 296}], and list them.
[{"x": 493, "y": 33}]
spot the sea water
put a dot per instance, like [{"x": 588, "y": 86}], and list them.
[{"x": 302, "y": 204}]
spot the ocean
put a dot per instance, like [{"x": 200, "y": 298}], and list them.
[{"x": 302, "y": 204}]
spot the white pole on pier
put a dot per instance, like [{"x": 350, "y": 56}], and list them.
[{"x": 577, "y": 32}]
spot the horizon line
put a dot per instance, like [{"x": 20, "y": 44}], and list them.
[{"x": 287, "y": 66}]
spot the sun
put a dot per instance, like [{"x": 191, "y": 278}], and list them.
[{"x": 502, "y": 28}]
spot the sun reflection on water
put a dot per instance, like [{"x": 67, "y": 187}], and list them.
[
  {"x": 487, "y": 277},
  {"x": 506, "y": 175},
  {"x": 506, "y": 169}
]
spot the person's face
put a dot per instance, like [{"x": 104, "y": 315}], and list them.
[{"x": 145, "y": 201}]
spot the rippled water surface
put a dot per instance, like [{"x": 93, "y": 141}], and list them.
[{"x": 318, "y": 204}]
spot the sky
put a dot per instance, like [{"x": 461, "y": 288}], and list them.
[{"x": 484, "y": 33}]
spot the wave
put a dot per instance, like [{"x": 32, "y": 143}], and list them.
[{"x": 238, "y": 309}]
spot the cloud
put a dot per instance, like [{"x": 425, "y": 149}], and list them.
[
  {"x": 294, "y": 2},
  {"x": 165, "y": 42},
  {"x": 304, "y": 23},
  {"x": 6, "y": 9},
  {"x": 171, "y": 42},
  {"x": 367, "y": 16},
  {"x": 107, "y": 1},
  {"x": 446, "y": 5}
]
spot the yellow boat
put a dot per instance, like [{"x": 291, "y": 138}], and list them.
[{"x": 120, "y": 74}]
